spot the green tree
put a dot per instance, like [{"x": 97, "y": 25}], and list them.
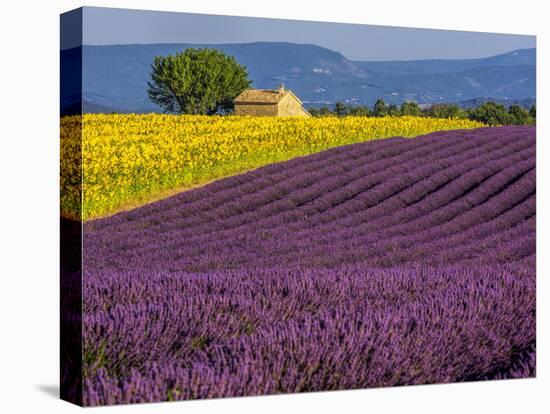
[
  {"x": 340, "y": 109},
  {"x": 322, "y": 111},
  {"x": 314, "y": 111},
  {"x": 196, "y": 81},
  {"x": 325, "y": 111},
  {"x": 410, "y": 108},
  {"x": 359, "y": 111},
  {"x": 393, "y": 110},
  {"x": 380, "y": 108},
  {"x": 491, "y": 113},
  {"x": 518, "y": 115},
  {"x": 446, "y": 111}
]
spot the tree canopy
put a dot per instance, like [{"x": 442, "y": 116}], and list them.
[
  {"x": 196, "y": 81},
  {"x": 410, "y": 108},
  {"x": 490, "y": 113},
  {"x": 380, "y": 108},
  {"x": 446, "y": 111}
]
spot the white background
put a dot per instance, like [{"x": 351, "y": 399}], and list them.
[{"x": 29, "y": 235}]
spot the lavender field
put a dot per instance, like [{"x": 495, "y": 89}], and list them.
[{"x": 391, "y": 262}]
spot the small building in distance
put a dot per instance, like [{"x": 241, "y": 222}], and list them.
[{"x": 267, "y": 102}]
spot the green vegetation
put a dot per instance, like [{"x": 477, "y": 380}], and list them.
[
  {"x": 197, "y": 82},
  {"x": 489, "y": 113},
  {"x": 411, "y": 108},
  {"x": 380, "y": 108}
]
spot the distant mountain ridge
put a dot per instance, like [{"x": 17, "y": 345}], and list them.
[
  {"x": 517, "y": 57},
  {"x": 114, "y": 78}
]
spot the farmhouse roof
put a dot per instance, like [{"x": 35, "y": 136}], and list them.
[{"x": 264, "y": 96}]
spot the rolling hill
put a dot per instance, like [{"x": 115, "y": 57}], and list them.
[
  {"x": 520, "y": 57},
  {"x": 115, "y": 77}
]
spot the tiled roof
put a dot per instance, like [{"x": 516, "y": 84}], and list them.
[{"x": 261, "y": 96}]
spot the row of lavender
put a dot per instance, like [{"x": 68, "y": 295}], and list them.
[
  {"x": 410, "y": 200},
  {"x": 386, "y": 263}
]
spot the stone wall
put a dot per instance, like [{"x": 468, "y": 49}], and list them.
[
  {"x": 256, "y": 109},
  {"x": 289, "y": 106}
]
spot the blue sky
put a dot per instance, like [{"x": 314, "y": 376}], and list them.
[{"x": 103, "y": 26}]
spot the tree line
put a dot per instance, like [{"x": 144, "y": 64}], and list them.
[{"x": 490, "y": 113}]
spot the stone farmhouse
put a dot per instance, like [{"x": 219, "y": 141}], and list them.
[{"x": 267, "y": 102}]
